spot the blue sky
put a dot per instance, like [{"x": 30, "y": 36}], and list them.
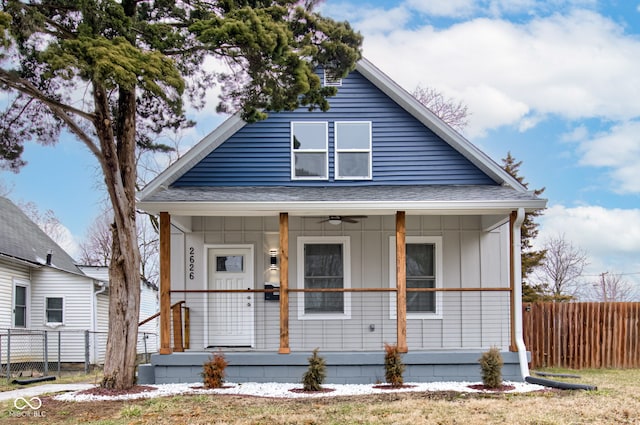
[{"x": 556, "y": 83}]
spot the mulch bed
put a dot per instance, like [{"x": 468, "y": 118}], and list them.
[
  {"x": 392, "y": 387},
  {"x": 202, "y": 387},
  {"x": 501, "y": 388},
  {"x": 136, "y": 389},
  {"x": 303, "y": 391}
]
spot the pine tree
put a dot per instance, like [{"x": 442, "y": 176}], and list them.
[{"x": 528, "y": 232}]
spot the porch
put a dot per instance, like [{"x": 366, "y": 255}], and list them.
[{"x": 479, "y": 309}]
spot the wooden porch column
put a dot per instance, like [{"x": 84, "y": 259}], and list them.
[
  {"x": 284, "y": 284},
  {"x": 512, "y": 279},
  {"x": 401, "y": 281},
  {"x": 165, "y": 283}
]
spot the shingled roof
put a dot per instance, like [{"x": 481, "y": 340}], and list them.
[{"x": 22, "y": 239}]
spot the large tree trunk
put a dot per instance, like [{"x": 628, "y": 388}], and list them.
[{"x": 118, "y": 164}]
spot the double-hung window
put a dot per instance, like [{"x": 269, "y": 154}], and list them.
[
  {"x": 54, "y": 310},
  {"x": 353, "y": 150},
  {"x": 423, "y": 270},
  {"x": 323, "y": 263},
  {"x": 309, "y": 150},
  {"x": 20, "y": 305}
]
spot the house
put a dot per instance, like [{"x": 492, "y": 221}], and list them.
[
  {"x": 42, "y": 289},
  {"x": 371, "y": 223}
]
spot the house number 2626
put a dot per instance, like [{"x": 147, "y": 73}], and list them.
[{"x": 192, "y": 263}]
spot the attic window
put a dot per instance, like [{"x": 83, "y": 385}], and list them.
[
  {"x": 353, "y": 150},
  {"x": 331, "y": 80},
  {"x": 309, "y": 150}
]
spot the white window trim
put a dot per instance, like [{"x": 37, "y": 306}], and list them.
[
  {"x": 325, "y": 151},
  {"x": 54, "y": 324},
  {"x": 27, "y": 313},
  {"x": 338, "y": 151},
  {"x": 346, "y": 251},
  {"x": 329, "y": 81},
  {"x": 437, "y": 241}
]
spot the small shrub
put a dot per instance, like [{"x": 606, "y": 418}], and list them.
[
  {"x": 213, "y": 371},
  {"x": 491, "y": 364},
  {"x": 315, "y": 374},
  {"x": 393, "y": 366}
]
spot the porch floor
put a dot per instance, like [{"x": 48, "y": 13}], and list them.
[{"x": 355, "y": 367}]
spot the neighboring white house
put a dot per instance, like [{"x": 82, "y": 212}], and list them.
[{"x": 41, "y": 288}]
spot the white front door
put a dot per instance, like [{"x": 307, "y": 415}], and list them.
[{"x": 230, "y": 315}]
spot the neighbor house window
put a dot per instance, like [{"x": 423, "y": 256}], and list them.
[
  {"x": 54, "y": 310},
  {"x": 323, "y": 263},
  {"x": 353, "y": 150},
  {"x": 424, "y": 270},
  {"x": 309, "y": 150},
  {"x": 20, "y": 299}
]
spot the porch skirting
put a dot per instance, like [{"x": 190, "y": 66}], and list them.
[{"x": 355, "y": 367}]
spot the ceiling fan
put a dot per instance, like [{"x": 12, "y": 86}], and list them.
[{"x": 338, "y": 219}]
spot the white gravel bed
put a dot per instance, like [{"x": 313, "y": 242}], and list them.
[{"x": 279, "y": 390}]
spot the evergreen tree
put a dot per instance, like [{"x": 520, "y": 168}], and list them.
[
  {"x": 113, "y": 73},
  {"x": 528, "y": 232}
]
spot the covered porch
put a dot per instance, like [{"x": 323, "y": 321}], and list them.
[{"x": 485, "y": 315}]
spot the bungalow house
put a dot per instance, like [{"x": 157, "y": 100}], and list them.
[
  {"x": 42, "y": 289},
  {"x": 373, "y": 223}
]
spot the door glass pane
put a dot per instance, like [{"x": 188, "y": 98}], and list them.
[{"x": 230, "y": 263}]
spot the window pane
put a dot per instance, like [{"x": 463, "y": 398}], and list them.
[
  {"x": 420, "y": 260},
  {"x": 20, "y": 317},
  {"x": 353, "y": 164},
  {"x": 310, "y": 164},
  {"x": 20, "y": 307},
  {"x": 21, "y": 296},
  {"x": 230, "y": 263},
  {"x": 421, "y": 274},
  {"x": 421, "y": 302},
  {"x": 54, "y": 310},
  {"x": 54, "y": 316},
  {"x": 323, "y": 260},
  {"x": 54, "y": 303},
  {"x": 323, "y": 302},
  {"x": 309, "y": 136},
  {"x": 323, "y": 269},
  {"x": 353, "y": 135}
]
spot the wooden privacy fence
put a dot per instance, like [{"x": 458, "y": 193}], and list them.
[{"x": 583, "y": 335}]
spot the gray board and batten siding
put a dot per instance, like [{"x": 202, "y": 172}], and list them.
[
  {"x": 404, "y": 151},
  {"x": 472, "y": 258}
]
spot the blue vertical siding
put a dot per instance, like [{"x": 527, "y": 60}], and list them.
[{"x": 405, "y": 152}]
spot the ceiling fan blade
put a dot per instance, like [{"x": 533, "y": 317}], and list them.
[{"x": 349, "y": 219}]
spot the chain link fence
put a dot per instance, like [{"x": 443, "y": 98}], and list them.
[{"x": 29, "y": 354}]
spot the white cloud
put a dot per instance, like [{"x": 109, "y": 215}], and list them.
[
  {"x": 619, "y": 151},
  {"x": 68, "y": 241},
  {"x": 577, "y": 65},
  {"x": 611, "y": 237},
  {"x": 451, "y": 8}
]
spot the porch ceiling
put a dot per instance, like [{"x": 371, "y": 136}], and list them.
[{"x": 369, "y": 200}]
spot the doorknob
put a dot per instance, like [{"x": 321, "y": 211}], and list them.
[{"x": 248, "y": 304}]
